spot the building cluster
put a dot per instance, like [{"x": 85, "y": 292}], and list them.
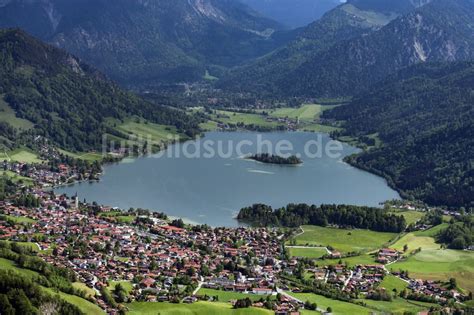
[
  {"x": 435, "y": 290},
  {"x": 159, "y": 259},
  {"x": 169, "y": 263},
  {"x": 388, "y": 255}
]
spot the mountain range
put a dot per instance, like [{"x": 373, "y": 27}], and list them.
[
  {"x": 405, "y": 66},
  {"x": 357, "y": 44},
  {"x": 149, "y": 41}
]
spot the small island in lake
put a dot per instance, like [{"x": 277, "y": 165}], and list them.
[{"x": 275, "y": 159}]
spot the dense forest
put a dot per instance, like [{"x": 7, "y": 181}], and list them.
[
  {"x": 67, "y": 101},
  {"x": 294, "y": 215},
  {"x": 425, "y": 120}
]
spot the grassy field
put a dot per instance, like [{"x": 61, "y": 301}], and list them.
[
  {"x": 120, "y": 216},
  {"x": 433, "y": 231},
  {"x": 127, "y": 285},
  {"x": 305, "y": 113},
  {"x": 85, "y": 306},
  {"x": 87, "y": 156},
  {"x": 157, "y": 134},
  {"x": 338, "y": 307},
  {"x": 307, "y": 252},
  {"x": 413, "y": 241},
  {"x": 441, "y": 265},
  {"x": 137, "y": 132},
  {"x": 21, "y": 155},
  {"x": 314, "y": 127},
  {"x": 226, "y": 296},
  {"x": 6, "y": 264},
  {"x": 20, "y": 220},
  {"x": 410, "y": 216},
  {"x": 17, "y": 178},
  {"x": 7, "y": 114},
  {"x": 84, "y": 287},
  {"x": 208, "y": 308},
  {"x": 308, "y": 115},
  {"x": 208, "y": 126},
  {"x": 229, "y": 117},
  {"x": 365, "y": 259},
  {"x": 344, "y": 240},
  {"x": 391, "y": 282},
  {"x": 397, "y": 306}
]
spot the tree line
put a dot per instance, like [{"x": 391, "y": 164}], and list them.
[{"x": 294, "y": 215}]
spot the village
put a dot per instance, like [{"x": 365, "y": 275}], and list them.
[{"x": 166, "y": 261}]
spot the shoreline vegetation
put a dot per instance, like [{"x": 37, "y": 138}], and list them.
[
  {"x": 295, "y": 215},
  {"x": 275, "y": 159}
]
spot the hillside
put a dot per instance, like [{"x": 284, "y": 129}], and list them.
[
  {"x": 272, "y": 73},
  {"x": 424, "y": 118},
  {"x": 439, "y": 31},
  {"x": 62, "y": 98},
  {"x": 293, "y": 13},
  {"x": 145, "y": 42}
]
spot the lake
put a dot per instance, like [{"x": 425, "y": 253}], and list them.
[{"x": 190, "y": 182}]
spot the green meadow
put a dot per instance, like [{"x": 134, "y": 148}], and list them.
[
  {"x": 86, "y": 156},
  {"x": 85, "y": 306},
  {"x": 22, "y": 155},
  {"x": 7, "y": 114},
  {"x": 390, "y": 282},
  {"x": 85, "y": 288},
  {"x": 338, "y": 307},
  {"x": 208, "y": 308},
  {"x": 156, "y": 133},
  {"x": 20, "y": 220},
  {"x": 307, "y": 252},
  {"x": 305, "y": 113},
  {"x": 413, "y": 241},
  {"x": 229, "y": 117},
  {"x": 437, "y": 264},
  {"x": 208, "y": 126},
  {"x": 6, "y": 264},
  {"x": 344, "y": 240},
  {"x": 17, "y": 178},
  {"x": 410, "y": 216},
  {"x": 364, "y": 259},
  {"x": 226, "y": 296},
  {"x": 315, "y": 127},
  {"x": 127, "y": 285},
  {"x": 397, "y": 307}
]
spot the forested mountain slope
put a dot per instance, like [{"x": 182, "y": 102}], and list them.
[
  {"x": 441, "y": 30},
  {"x": 64, "y": 99},
  {"x": 270, "y": 73},
  {"x": 424, "y": 117},
  {"x": 148, "y": 41}
]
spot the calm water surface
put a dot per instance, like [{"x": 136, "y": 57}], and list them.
[{"x": 212, "y": 190}]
